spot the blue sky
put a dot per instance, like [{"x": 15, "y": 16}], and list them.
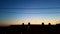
[{"x": 7, "y": 14}]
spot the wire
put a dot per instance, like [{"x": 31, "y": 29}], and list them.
[{"x": 33, "y": 8}]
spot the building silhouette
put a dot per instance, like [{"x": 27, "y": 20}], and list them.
[{"x": 31, "y": 29}]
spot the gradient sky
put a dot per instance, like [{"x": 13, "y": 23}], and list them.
[{"x": 11, "y": 12}]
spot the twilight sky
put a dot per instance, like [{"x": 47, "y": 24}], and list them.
[{"x": 34, "y": 11}]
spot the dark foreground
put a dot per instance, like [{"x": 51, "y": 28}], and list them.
[{"x": 30, "y": 29}]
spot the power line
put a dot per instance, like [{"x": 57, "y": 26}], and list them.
[
  {"x": 31, "y": 13},
  {"x": 33, "y": 8}
]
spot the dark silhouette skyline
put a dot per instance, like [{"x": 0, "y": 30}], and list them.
[{"x": 31, "y": 29}]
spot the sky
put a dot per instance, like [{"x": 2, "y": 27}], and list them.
[{"x": 34, "y": 11}]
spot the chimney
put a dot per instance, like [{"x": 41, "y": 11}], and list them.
[
  {"x": 22, "y": 23},
  {"x": 28, "y": 23},
  {"x": 42, "y": 23},
  {"x": 49, "y": 24}
]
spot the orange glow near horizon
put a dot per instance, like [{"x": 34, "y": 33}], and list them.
[{"x": 20, "y": 23}]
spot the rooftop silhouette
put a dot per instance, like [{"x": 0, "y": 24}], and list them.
[{"x": 31, "y": 29}]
